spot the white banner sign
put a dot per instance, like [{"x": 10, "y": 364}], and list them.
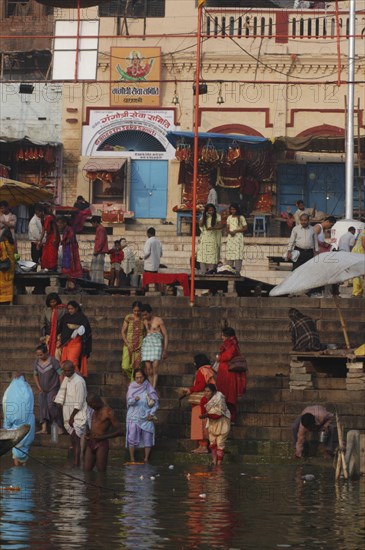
[{"x": 138, "y": 134}]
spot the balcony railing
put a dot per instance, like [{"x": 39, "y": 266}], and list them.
[{"x": 280, "y": 25}]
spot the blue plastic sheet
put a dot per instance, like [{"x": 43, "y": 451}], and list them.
[{"x": 18, "y": 408}]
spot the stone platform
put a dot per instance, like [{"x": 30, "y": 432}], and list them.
[{"x": 269, "y": 406}]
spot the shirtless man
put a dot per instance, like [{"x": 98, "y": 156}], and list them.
[
  {"x": 154, "y": 345},
  {"x": 98, "y": 434}
]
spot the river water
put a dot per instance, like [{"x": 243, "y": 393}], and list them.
[{"x": 244, "y": 507}]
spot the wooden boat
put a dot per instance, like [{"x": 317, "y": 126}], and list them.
[{"x": 10, "y": 438}]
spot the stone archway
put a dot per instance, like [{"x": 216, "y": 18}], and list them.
[
  {"x": 236, "y": 129},
  {"x": 323, "y": 130}
]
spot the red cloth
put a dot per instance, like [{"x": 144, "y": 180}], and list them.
[
  {"x": 101, "y": 240},
  {"x": 116, "y": 256},
  {"x": 54, "y": 326},
  {"x": 231, "y": 384},
  {"x": 167, "y": 279},
  {"x": 71, "y": 264},
  {"x": 204, "y": 375},
  {"x": 50, "y": 248}
]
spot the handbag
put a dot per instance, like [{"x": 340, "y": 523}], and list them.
[
  {"x": 194, "y": 398},
  {"x": 238, "y": 364},
  {"x": 5, "y": 264}
]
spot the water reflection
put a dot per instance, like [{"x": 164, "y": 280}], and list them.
[
  {"x": 247, "y": 507},
  {"x": 138, "y": 520},
  {"x": 16, "y": 508},
  {"x": 210, "y": 511}
]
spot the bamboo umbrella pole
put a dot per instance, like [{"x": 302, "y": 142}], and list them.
[
  {"x": 344, "y": 329},
  {"x": 341, "y": 454}
]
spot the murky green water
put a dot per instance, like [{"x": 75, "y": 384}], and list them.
[{"x": 153, "y": 507}]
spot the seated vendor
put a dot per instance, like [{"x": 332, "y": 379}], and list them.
[{"x": 304, "y": 333}]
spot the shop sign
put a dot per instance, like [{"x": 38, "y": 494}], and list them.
[
  {"x": 114, "y": 133},
  {"x": 135, "y": 75}
]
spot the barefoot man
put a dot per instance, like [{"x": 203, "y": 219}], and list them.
[
  {"x": 154, "y": 345},
  {"x": 98, "y": 433}
]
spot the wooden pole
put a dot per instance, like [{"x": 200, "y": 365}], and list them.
[{"x": 344, "y": 330}]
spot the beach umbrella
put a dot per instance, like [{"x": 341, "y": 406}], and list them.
[
  {"x": 17, "y": 192},
  {"x": 325, "y": 269}
]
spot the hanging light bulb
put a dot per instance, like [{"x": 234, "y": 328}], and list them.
[
  {"x": 220, "y": 99},
  {"x": 175, "y": 97}
]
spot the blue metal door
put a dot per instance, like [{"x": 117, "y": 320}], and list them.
[
  {"x": 326, "y": 187},
  {"x": 291, "y": 183},
  {"x": 149, "y": 188}
]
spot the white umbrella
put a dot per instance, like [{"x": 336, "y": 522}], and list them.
[{"x": 325, "y": 269}]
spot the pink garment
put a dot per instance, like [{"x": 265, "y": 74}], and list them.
[
  {"x": 101, "y": 240},
  {"x": 323, "y": 419}
]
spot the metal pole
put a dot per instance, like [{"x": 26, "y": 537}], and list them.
[
  {"x": 349, "y": 205},
  {"x": 196, "y": 150}
]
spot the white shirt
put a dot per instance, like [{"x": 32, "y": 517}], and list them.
[
  {"x": 72, "y": 395},
  {"x": 152, "y": 253},
  {"x": 35, "y": 229},
  {"x": 213, "y": 197},
  {"x": 303, "y": 237},
  {"x": 346, "y": 242}
]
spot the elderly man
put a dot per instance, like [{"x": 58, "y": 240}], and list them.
[
  {"x": 72, "y": 398},
  {"x": 302, "y": 239},
  {"x": 128, "y": 263}
]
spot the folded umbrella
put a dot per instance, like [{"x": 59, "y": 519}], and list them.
[{"x": 325, "y": 269}]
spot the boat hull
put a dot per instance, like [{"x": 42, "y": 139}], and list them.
[{"x": 10, "y": 438}]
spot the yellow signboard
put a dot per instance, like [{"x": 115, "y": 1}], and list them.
[{"x": 135, "y": 74}]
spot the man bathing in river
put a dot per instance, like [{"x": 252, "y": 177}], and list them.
[
  {"x": 154, "y": 345},
  {"x": 72, "y": 398},
  {"x": 98, "y": 433}
]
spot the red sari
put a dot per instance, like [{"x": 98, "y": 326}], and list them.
[
  {"x": 50, "y": 248},
  {"x": 231, "y": 384}
]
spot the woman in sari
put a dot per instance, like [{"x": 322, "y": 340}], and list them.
[
  {"x": 218, "y": 421},
  {"x": 51, "y": 317},
  {"x": 231, "y": 384},
  {"x": 49, "y": 258},
  {"x": 75, "y": 337},
  {"x": 7, "y": 266},
  {"x": 70, "y": 264},
  {"x": 47, "y": 375},
  {"x": 210, "y": 239},
  {"x": 204, "y": 375},
  {"x": 133, "y": 331},
  {"x": 142, "y": 403}
]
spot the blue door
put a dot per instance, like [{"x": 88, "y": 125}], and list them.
[
  {"x": 318, "y": 184},
  {"x": 291, "y": 182},
  {"x": 149, "y": 188},
  {"x": 326, "y": 187}
]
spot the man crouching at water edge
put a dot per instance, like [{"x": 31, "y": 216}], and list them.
[
  {"x": 72, "y": 398},
  {"x": 97, "y": 436},
  {"x": 154, "y": 345},
  {"x": 314, "y": 419}
]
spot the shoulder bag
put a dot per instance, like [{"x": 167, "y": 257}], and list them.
[{"x": 238, "y": 364}]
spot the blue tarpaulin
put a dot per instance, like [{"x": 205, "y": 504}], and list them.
[{"x": 221, "y": 141}]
